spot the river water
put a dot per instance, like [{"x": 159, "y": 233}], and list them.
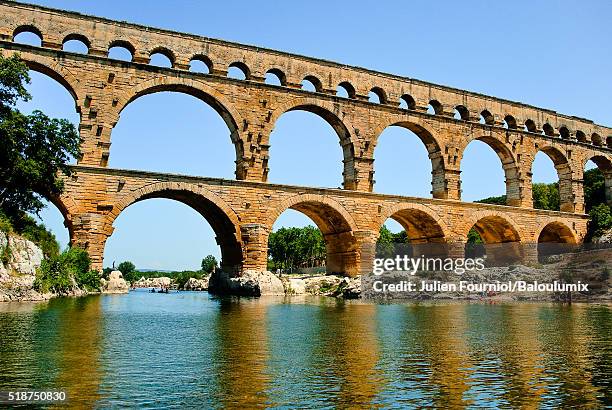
[{"x": 193, "y": 350}]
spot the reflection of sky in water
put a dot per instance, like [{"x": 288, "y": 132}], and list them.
[{"x": 190, "y": 349}]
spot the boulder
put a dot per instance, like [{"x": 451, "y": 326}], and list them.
[
  {"x": 197, "y": 284},
  {"x": 322, "y": 285},
  {"x": 295, "y": 286},
  {"x": 251, "y": 283},
  {"x": 115, "y": 283},
  {"x": 349, "y": 288}
]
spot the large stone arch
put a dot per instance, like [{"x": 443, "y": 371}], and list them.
[
  {"x": 564, "y": 173},
  {"x": 604, "y": 163},
  {"x": 335, "y": 118},
  {"x": 554, "y": 237},
  {"x": 427, "y": 234},
  {"x": 334, "y": 222},
  {"x": 431, "y": 143},
  {"x": 425, "y": 223},
  {"x": 504, "y": 228},
  {"x": 509, "y": 163},
  {"x": 197, "y": 89},
  {"x": 500, "y": 234},
  {"x": 555, "y": 230},
  {"x": 221, "y": 217},
  {"x": 53, "y": 70}
]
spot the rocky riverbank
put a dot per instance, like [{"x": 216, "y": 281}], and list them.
[{"x": 19, "y": 261}]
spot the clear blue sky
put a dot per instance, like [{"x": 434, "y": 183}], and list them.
[{"x": 554, "y": 54}]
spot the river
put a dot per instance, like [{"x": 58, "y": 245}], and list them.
[{"x": 193, "y": 350}]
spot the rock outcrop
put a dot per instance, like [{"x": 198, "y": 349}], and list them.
[
  {"x": 251, "y": 283},
  {"x": 197, "y": 284},
  {"x": 143, "y": 282},
  {"x": 115, "y": 283},
  {"x": 18, "y": 256}
]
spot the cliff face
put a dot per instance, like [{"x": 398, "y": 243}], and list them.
[
  {"x": 19, "y": 259},
  {"x": 18, "y": 256}
]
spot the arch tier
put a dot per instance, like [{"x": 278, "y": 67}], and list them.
[{"x": 242, "y": 214}]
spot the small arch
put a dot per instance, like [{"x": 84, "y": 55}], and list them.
[
  {"x": 510, "y": 122},
  {"x": 377, "y": 95},
  {"x": 161, "y": 57},
  {"x": 238, "y": 71},
  {"x": 275, "y": 76},
  {"x": 580, "y": 136},
  {"x": 596, "y": 139},
  {"x": 547, "y": 129},
  {"x": 200, "y": 64},
  {"x": 462, "y": 113},
  {"x": 345, "y": 90},
  {"x": 121, "y": 50},
  {"x": 312, "y": 83},
  {"x": 530, "y": 126},
  {"x": 487, "y": 118},
  {"x": 609, "y": 142},
  {"x": 28, "y": 34},
  {"x": 76, "y": 43},
  {"x": 564, "y": 133},
  {"x": 554, "y": 238},
  {"x": 407, "y": 102},
  {"x": 435, "y": 107}
]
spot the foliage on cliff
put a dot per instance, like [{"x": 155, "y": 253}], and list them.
[
  {"x": 27, "y": 227},
  {"x": 64, "y": 272}
]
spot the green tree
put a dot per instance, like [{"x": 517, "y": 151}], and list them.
[
  {"x": 35, "y": 149},
  {"x": 70, "y": 269},
  {"x": 546, "y": 196},
  {"x": 209, "y": 264},
  {"x": 494, "y": 200},
  {"x": 600, "y": 219},
  {"x": 594, "y": 188},
  {"x": 128, "y": 269}
]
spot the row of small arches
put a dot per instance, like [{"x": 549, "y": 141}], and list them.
[{"x": 163, "y": 57}]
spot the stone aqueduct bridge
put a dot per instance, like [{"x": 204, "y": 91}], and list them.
[{"x": 242, "y": 211}]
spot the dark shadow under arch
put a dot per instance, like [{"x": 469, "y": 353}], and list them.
[
  {"x": 501, "y": 241},
  {"x": 554, "y": 239}
]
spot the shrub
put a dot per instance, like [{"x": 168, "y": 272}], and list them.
[
  {"x": 70, "y": 269},
  {"x": 88, "y": 280},
  {"x": 53, "y": 276},
  {"x": 600, "y": 219}
]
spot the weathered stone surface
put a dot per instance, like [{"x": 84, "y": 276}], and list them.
[
  {"x": 115, "y": 283},
  {"x": 197, "y": 284},
  {"x": 251, "y": 283},
  {"x": 24, "y": 257},
  {"x": 244, "y": 211},
  {"x": 322, "y": 285}
]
